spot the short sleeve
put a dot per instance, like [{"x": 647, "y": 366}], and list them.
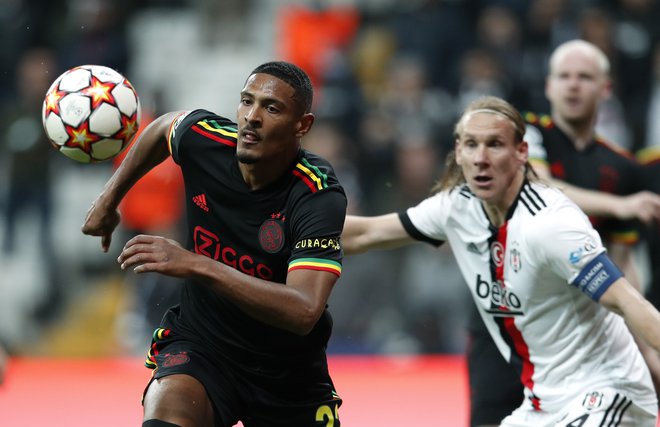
[
  {"x": 179, "y": 127},
  {"x": 565, "y": 240},
  {"x": 427, "y": 220},
  {"x": 316, "y": 230}
]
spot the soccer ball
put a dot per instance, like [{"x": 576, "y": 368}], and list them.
[{"x": 91, "y": 113}]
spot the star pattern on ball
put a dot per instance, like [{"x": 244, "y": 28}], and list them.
[
  {"x": 129, "y": 126},
  {"x": 81, "y": 137},
  {"x": 52, "y": 101},
  {"x": 100, "y": 92}
]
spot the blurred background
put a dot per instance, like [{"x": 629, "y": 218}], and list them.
[{"x": 391, "y": 77}]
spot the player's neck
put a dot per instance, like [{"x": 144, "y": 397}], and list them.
[
  {"x": 264, "y": 172},
  {"x": 580, "y": 132},
  {"x": 497, "y": 211}
]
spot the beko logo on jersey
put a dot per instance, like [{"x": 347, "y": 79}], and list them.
[
  {"x": 503, "y": 302},
  {"x": 208, "y": 244},
  {"x": 323, "y": 243}
]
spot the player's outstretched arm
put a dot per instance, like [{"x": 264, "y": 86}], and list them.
[
  {"x": 295, "y": 307},
  {"x": 149, "y": 150},
  {"x": 643, "y": 205},
  {"x": 379, "y": 232},
  {"x": 640, "y": 315}
]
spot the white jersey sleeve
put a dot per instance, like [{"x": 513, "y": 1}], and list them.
[
  {"x": 430, "y": 216},
  {"x": 569, "y": 245}
]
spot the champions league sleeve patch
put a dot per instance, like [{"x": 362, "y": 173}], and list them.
[{"x": 597, "y": 276}]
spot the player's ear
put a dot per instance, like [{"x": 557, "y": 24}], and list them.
[
  {"x": 607, "y": 90},
  {"x": 304, "y": 124},
  {"x": 522, "y": 151}
]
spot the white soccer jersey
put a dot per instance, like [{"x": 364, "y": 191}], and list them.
[{"x": 534, "y": 280}]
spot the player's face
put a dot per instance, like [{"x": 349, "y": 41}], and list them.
[
  {"x": 576, "y": 86},
  {"x": 269, "y": 120},
  {"x": 490, "y": 157}
]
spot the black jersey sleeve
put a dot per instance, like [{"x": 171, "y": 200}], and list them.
[
  {"x": 316, "y": 229},
  {"x": 203, "y": 122}
]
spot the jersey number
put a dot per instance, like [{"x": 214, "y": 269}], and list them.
[
  {"x": 327, "y": 415},
  {"x": 579, "y": 421}
]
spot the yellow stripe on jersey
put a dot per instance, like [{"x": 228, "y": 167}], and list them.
[
  {"x": 626, "y": 237},
  {"x": 221, "y": 131},
  {"x": 311, "y": 175},
  {"x": 649, "y": 155},
  {"x": 315, "y": 264}
]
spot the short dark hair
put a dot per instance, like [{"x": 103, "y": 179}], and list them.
[{"x": 294, "y": 76}]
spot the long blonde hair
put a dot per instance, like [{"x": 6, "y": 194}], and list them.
[{"x": 453, "y": 174}]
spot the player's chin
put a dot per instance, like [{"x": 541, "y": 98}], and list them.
[{"x": 246, "y": 157}]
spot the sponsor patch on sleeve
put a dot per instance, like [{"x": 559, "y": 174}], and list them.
[
  {"x": 597, "y": 276},
  {"x": 174, "y": 125}
]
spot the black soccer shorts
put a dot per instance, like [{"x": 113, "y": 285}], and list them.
[{"x": 302, "y": 398}]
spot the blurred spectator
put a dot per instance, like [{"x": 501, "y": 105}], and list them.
[
  {"x": 26, "y": 23},
  {"x": 376, "y": 143},
  {"x": 327, "y": 140},
  {"x": 437, "y": 31},
  {"x": 596, "y": 26},
  {"x": 372, "y": 50},
  {"x": 94, "y": 34},
  {"x": 418, "y": 109},
  {"x": 652, "y": 135},
  {"x": 308, "y": 36},
  {"x": 481, "y": 74},
  {"x": 340, "y": 98},
  {"x": 635, "y": 34},
  {"x": 29, "y": 157}
]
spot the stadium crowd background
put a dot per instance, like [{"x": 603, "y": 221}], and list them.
[{"x": 391, "y": 78}]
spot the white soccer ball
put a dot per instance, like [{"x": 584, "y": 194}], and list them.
[{"x": 91, "y": 113}]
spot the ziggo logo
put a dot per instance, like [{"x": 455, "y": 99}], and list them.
[{"x": 208, "y": 244}]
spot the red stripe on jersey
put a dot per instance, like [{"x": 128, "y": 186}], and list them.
[
  {"x": 306, "y": 180},
  {"x": 523, "y": 352},
  {"x": 308, "y": 267},
  {"x": 516, "y": 336},
  {"x": 201, "y": 131}
]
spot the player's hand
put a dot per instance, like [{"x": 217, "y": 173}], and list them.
[
  {"x": 101, "y": 221},
  {"x": 644, "y": 206},
  {"x": 154, "y": 253}
]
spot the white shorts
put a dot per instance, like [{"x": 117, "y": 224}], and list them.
[{"x": 604, "y": 407}]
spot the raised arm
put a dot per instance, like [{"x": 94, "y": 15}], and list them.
[
  {"x": 643, "y": 205},
  {"x": 379, "y": 232},
  {"x": 149, "y": 150}
]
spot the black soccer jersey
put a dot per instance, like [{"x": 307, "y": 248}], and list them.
[
  {"x": 650, "y": 160},
  {"x": 294, "y": 223},
  {"x": 601, "y": 166}
]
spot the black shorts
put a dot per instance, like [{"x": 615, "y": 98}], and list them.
[
  {"x": 495, "y": 388},
  {"x": 307, "y": 400}
]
